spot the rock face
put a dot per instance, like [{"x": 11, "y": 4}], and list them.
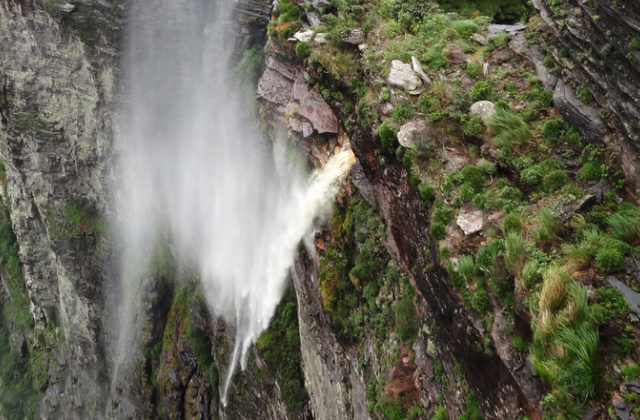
[
  {"x": 55, "y": 141},
  {"x": 413, "y": 132},
  {"x": 284, "y": 88},
  {"x": 470, "y": 219},
  {"x": 482, "y": 109},
  {"x": 402, "y": 76},
  {"x": 597, "y": 37}
]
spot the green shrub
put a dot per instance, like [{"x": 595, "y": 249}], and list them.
[
  {"x": 480, "y": 298},
  {"x": 407, "y": 324},
  {"x": 548, "y": 61},
  {"x": 630, "y": 372},
  {"x": 475, "y": 177},
  {"x": 547, "y": 175},
  {"x": 584, "y": 94},
  {"x": 441, "y": 413},
  {"x": 438, "y": 231},
  {"x": 437, "y": 116},
  {"x": 473, "y": 127},
  {"x": 530, "y": 115},
  {"x": 510, "y": 86},
  {"x": 465, "y": 28},
  {"x": 427, "y": 192},
  {"x": 612, "y": 304},
  {"x": 303, "y": 50},
  {"x": 467, "y": 267},
  {"x": 591, "y": 171},
  {"x": 388, "y": 136},
  {"x": 435, "y": 58},
  {"x": 511, "y": 131},
  {"x": 427, "y": 103},
  {"x": 481, "y": 90},
  {"x": 610, "y": 260},
  {"x": 370, "y": 292},
  {"x": 402, "y": 112},
  {"x": 553, "y": 131}
]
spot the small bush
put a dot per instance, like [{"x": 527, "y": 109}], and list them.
[
  {"x": 388, "y": 136},
  {"x": 630, "y": 372},
  {"x": 407, "y": 324},
  {"x": 465, "y": 28},
  {"x": 584, "y": 94},
  {"x": 427, "y": 103},
  {"x": 625, "y": 224},
  {"x": 473, "y": 127},
  {"x": 481, "y": 90},
  {"x": 303, "y": 50},
  {"x": 548, "y": 61},
  {"x": 438, "y": 231},
  {"x": 402, "y": 112},
  {"x": 510, "y": 129},
  {"x": 610, "y": 260}
]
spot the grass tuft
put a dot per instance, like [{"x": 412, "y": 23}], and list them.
[{"x": 510, "y": 129}]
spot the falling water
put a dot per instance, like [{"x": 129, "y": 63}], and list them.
[{"x": 194, "y": 167}]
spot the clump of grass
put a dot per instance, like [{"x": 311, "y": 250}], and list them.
[
  {"x": 510, "y": 129},
  {"x": 531, "y": 274},
  {"x": 465, "y": 28},
  {"x": 565, "y": 342},
  {"x": 467, "y": 267},
  {"x": 550, "y": 227},
  {"x": 515, "y": 255},
  {"x": 625, "y": 224},
  {"x": 630, "y": 372},
  {"x": 511, "y": 223}
]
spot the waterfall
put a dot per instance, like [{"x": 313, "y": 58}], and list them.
[{"x": 193, "y": 166}]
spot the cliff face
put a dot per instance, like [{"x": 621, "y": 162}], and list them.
[
  {"x": 600, "y": 45},
  {"x": 57, "y": 116}
]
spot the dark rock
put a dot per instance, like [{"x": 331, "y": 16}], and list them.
[
  {"x": 600, "y": 190},
  {"x": 519, "y": 45},
  {"x": 590, "y": 414},
  {"x": 579, "y": 205},
  {"x": 633, "y": 386},
  {"x": 530, "y": 368},
  {"x": 362, "y": 183},
  {"x": 586, "y": 30},
  {"x": 582, "y": 117}
]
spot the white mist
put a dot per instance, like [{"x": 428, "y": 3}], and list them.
[{"x": 198, "y": 171}]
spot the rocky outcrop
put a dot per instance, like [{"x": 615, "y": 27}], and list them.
[
  {"x": 58, "y": 79},
  {"x": 284, "y": 88},
  {"x": 600, "y": 42}
]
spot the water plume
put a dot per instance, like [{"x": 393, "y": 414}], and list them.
[{"x": 194, "y": 167}]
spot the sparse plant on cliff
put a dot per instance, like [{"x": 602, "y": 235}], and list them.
[
  {"x": 303, "y": 50},
  {"x": 511, "y": 131}
]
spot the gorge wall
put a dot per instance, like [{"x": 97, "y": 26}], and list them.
[{"x": 374, "y": 324}]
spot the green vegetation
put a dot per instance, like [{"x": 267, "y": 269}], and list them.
[
  {"x": 499, "y": 10},
  {"x": 510, "y": 129},
  {"x": 280, "y": 346},
  {"x": 18, "y": 395},
  {"x": 303, "y": 50},
  {"x": 251, "y": 67}
]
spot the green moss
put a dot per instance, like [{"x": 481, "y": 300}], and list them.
[{"x": 280, "y": 346}]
